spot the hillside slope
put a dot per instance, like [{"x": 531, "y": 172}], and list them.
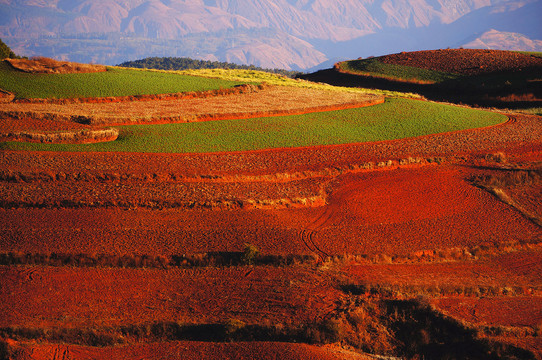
[{"x": 504, "y": 79}]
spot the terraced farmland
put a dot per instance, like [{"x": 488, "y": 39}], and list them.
[
  {"x": 302, "y": 222},
  {"x": 395, "y": 119}
]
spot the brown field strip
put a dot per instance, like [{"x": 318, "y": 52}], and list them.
[
  {"x": 271, "y": 100},
  {"x": 464, "y": 61}
]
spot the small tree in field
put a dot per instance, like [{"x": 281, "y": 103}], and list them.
[{"x": 250, "y": 254}]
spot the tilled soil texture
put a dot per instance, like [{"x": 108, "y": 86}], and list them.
[
  {"x": 464, "y": 61},
  {"x": 529, "y": 198},
  {"x": 271, "y": 100},
  {"x": 156, "y": 193},
  {"x": 28, "y": 123},
  {"x": 366, "y": 212},
  {"x": 521, "y": 311},
  {"x": 388, "y": 211},
  {"x": 64, "y": 297},
  {"x": 513, "y": 272},
  {"x": 189, "y": 350}
]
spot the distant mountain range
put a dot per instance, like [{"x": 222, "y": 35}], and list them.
[{"x": 288, "y": 34}]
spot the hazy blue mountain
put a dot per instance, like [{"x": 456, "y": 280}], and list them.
[{"x": 291, "y": 34}]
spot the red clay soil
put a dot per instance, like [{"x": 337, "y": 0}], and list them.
[
  {"x": 188, "y": 350},
  {"x": 408, "y": 210},
  {"x": 505, "y": 311},
  {"x": 10, "y": 124},
  {"x": 527, "y": 265},
  {"x": 464, "y": 61},
  {"x": 528, "y": 197},
  {"x": 522, "y": 269},
  {"x": 390, "y": 211},
  {"x": 99, "y": 297},
  {"x": 162, "y": 193}
]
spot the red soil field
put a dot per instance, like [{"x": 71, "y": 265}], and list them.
[
  {"x": 506, "y": 311},
  {"x": 190, "y": 350},
  {"x": 10, "y": 124},
  {"x": 515, "y": 269},
  {"x": 366, "y": 213},
  {"x": 528, "y": 197},
  {"x": 100, "y": 297},
  {"x": 168, "y": 204},
  {"x": 165, "y": 193},
  {"x": 527, "y": 265},
  {"x": 409, "y": 210},
  {"x": 464, "y": 61}
]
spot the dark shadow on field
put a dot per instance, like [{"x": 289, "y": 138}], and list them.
[{"x": 512, "y": 90}]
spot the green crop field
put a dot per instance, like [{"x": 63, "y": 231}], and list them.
[
  {"x": 395, "y": 119},
  {"x": 532, "y": 53},
  {"x": 373, "y": 67},
  {"x": 113, "y": 82}
]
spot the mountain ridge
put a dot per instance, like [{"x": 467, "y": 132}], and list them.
[{"x": 293, "y": 34}]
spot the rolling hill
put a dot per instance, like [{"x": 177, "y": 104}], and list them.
[{"x": 505, "y": 79}]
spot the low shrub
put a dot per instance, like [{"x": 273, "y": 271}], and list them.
[{"x": 250, "y": 254}]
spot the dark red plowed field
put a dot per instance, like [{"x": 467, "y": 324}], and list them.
[
  {"x": 521, "y": 269},
  {"x": 506, "y": 311},
  {"x": 98, "y": 297},
  {"x": 393, "y": 212},
  {"x": 190, "y": 350},
  {"x": 464, "y": 61}
]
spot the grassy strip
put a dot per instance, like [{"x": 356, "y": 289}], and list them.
[
  {"x": 252, "y": 256},
  {"x": 532, "y": 53},
  {"x": 531, "y": 111},
  {"x": 405, "y": 291},
  {"x": 395, "y": 119},
  {"x": 209, "y": 259},
  {"x": 373, "y": 67},
  {"x": 113, "y": 82}
]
